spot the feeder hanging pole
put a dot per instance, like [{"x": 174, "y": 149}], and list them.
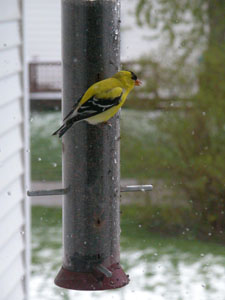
[{"x": 91, "y": 214}]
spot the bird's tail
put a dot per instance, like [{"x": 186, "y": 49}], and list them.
[
  {"x": 58, "y": 130},
  {"x": 66, "y": 126}
]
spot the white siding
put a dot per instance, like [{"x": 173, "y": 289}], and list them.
[
  {"x": 15, "y": 242},
  {"x": 13, "y": 32},
  {"x": 10, "y": 10},
  {"x": 12, "y": 197},
  {"x": 12, "y": 83},
  {"x": 12, "y": 276},
  {"x": 7, "y": 147},
  {"x": 16, "y": 293},
  {"x": 13, "y": 203},
  {"x": 44, "y": 30},
  {"x": 10, "y": 115},
  {"x": 10, "y": 61},
  {"x": 11, "y": 169}
]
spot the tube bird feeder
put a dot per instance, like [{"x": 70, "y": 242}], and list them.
[
  {"x": 91, "y": 154},
  {"x": 91, "y": 174}
]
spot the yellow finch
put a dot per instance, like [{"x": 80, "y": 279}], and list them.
[{"x": 101, "y": 101}]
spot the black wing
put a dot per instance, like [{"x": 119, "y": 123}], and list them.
[
  {"x": 73, "y": 108},
  {"x": 94, "y": 106},
  {"x": 90, "y": 108}
]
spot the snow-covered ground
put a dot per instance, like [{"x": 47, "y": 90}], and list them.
[
  {"x": 158, "y": 279},
  {"x": 160, "y": 270}
]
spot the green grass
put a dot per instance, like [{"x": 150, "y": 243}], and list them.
[
  {"x": 138, "y": 141},
  {"x": 45, "y": 149},
  {"x": 134, "y": 234},
  {"x": 141, "y": 148},
  {"x": 172, "y": 223}
]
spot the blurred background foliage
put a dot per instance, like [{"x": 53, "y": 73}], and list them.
[
  {"x": 173, "y": 128},
  {"x": 193, "y": 136}
]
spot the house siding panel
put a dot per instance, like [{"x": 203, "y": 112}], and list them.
[
  {"x": 12, "y": 83},
  {"x": 16, "y": 272},
  {"x": 11, "y": 116},
  {"x": 14, "y": 233},
  {"x": 10, "y": 61},
  {"x": 9, "y": 10},
  {"x": 13, "y": 35}
]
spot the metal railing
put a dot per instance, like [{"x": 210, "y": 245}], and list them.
[{"x": 45, "y": 77}]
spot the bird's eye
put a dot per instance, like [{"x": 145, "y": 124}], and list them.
[{"x": 133, "y": 76}]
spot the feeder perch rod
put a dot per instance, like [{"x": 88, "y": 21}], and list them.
[
  {"x": 104, "y": 270},
  {"x": 128, "y": 188},
  {"x": 47, "y": 192}
]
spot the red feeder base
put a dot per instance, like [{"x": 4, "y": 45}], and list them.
[{"x": 92, "y": 281}]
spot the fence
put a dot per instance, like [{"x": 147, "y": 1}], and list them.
[
  {"x": 45, "y": 77},
  {"x": 45, "y": 85}
]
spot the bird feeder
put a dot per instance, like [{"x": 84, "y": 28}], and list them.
[{"x": 91, "y": 154}]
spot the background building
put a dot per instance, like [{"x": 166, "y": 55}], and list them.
[{"x": 44, "y": 31}]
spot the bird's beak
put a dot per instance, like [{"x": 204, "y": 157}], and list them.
[{"x": 137, "y": 82}]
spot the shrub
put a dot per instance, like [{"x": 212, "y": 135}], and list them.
[{"x": 195, "y": 144}]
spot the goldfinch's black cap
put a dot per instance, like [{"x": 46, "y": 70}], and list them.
[{"x": 133, "y": 76}]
